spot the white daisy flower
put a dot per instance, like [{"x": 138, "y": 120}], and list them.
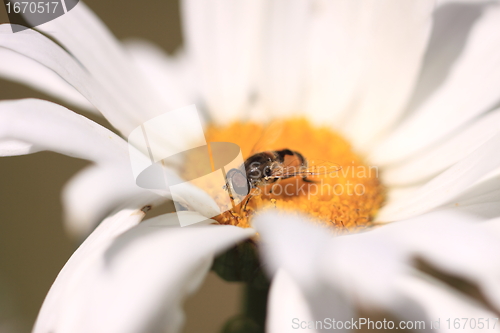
[{"x": 407, "y": 87}]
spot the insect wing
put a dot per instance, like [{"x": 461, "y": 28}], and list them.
[
  {"x": 314, "y": 168},
  {"x": 269, "y": 135}
]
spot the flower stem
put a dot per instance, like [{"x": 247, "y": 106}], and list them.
[
  {"x": 255, "y": 304},
  {"x": 242, "y": 264},
  {"x": 253, "y": 318}
]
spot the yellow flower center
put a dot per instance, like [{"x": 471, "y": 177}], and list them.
[{"x": 346, "y": 199}]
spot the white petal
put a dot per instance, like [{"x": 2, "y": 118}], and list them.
[
  {"x": 452, "y": 23},
  {"x": 281, "y": 73},
  {"x": 491, "y": 288},
  {"x": 81, "y": 264},
  {"x": 481, "y": 200},
  {"x": 107, "y": 77},
  {"x": 447, "y": 185},
  {"x": 287, "y": 307},
  {"x": 374, "y": 266},
  {"x": 335, "y": 58},
  {"x": 222, "y": 38},
  {"x": 443, "y": 155},
  {"x": 48, "y": 126},
  {"x": 469, "y": 90},
  {"x": 21, "y": 69},
  {"x": 451, "y": 241},
  {"x": 396, "y": 35},
  {"x": 39, "y": 48},
  {"x": 298, "y": 247},
  {"x": 93, "y": 192},
  {"x": 455, "y": 244},
  {"x": 364, "y": 266},
  {"x": 173, "y": 77},
  {"x": 79, "y": 31},
  {"x": 371, "y": 269},
  {"x": 286, "y": 240},
  {"x": 141, "y": 280},
  {"x": 442, "y": 303},
  {"x": 15, "y": 147},
  {"x": 28, "y": 126},
  {"x": 492, "y": 226}
]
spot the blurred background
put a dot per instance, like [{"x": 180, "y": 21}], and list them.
[{"x": 33, "y": 243}]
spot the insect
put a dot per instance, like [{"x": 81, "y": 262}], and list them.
[{"x": 270, "y": 166}]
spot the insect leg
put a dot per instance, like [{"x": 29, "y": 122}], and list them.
[
  {"x": 246, "y": 202},
  {"x": 250, "y": 196},
  {"x": 304, "y": 178}
]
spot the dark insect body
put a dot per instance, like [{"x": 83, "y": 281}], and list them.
[{"x": 268, "y": 167}]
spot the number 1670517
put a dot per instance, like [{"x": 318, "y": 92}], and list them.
[{"x": 31, "y": 7}]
